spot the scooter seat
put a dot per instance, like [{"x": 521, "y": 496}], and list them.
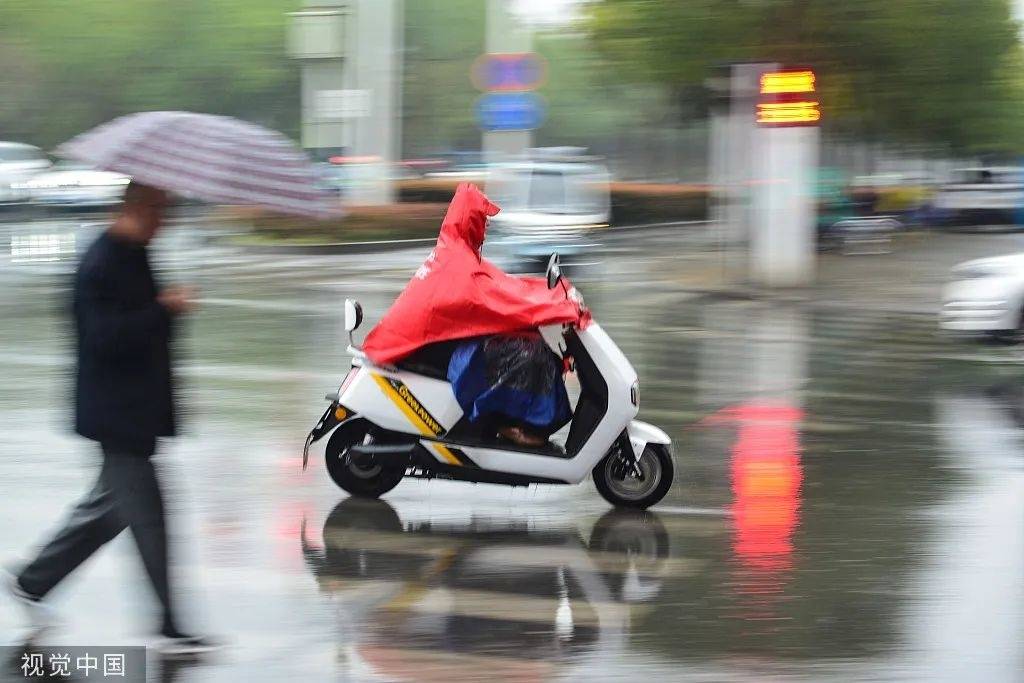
[
  {"x": 424, "y": 369},
  {"x": 431, "y": 360}
]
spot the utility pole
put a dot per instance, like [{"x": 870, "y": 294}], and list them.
[{"x": 505, "y": 34}]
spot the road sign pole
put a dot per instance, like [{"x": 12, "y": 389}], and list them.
[{"x": 505, "y": 35}]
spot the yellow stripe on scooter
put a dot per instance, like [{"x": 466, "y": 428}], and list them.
[
  {"x": 416, "y": 420},
  {"x": 450, "y": 457}
]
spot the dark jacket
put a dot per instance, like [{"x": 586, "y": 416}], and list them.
[{"x": 123, "y": 392}]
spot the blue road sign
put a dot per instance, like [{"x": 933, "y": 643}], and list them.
[{"x": 503, "y": 111}]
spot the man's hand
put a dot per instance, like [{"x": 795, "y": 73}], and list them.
[{"x": 178, "y": 299}]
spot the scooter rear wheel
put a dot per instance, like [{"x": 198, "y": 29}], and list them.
[
  {"x": 619, "y": 485},
  {"x": 363, "y": 476}
]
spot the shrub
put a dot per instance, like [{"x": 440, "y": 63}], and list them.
[
  {"x": 360, "y": 223},
  {"x": 638, "y": 203},
  {"x": 632, "y": 203},
  {"x": 422, "y": 204}
]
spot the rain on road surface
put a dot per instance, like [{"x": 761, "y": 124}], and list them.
[{"x": 849, "y": 501}]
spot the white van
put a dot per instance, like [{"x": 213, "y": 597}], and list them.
[{"x": 555, "y": 200}]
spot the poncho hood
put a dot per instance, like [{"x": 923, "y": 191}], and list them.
[{"x": 458, "y": 294}]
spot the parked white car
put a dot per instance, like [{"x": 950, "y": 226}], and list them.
[
  {"x": 75, "y": 186},
  {"x": 18, "y": 163},
  {"x": 986, "y": 296}
]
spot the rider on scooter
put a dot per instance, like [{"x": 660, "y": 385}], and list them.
[{"x": 482, "y": 322}]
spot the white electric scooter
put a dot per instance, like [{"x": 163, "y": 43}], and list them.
[{"x": 391, "y": 422}]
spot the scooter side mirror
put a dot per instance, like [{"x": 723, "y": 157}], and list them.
[
  {"x": 554, "y": 270},
  {"x": 353, "y": 315}
]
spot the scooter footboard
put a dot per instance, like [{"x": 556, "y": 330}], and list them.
[{"x": 642, "y": 433}]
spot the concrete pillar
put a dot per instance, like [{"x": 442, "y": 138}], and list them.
[
  {"x": 350, "y": 56},
  {"x": 783, "y": 240},
  {"x": 377, "y": 67}
]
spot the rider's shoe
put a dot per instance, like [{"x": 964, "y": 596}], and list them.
[{"x": 522, "y": 437}]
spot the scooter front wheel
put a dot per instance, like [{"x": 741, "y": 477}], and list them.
[
  {"x": 361, "y": 476},
  {"x": 619, "y": 484}
]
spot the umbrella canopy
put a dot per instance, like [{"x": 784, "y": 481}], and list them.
[{"x": 212, "y": 158}]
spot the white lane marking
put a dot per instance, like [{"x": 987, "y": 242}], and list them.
[{"x": 696, "y": 511}]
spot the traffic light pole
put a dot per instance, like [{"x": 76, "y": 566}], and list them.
[
  {"x": 764, "y": 160},
  {"x": 783, "y": 239}
]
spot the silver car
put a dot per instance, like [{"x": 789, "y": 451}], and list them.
[
  {"x": 75, "y": 185},
  {"x": 18, "y": 163}
]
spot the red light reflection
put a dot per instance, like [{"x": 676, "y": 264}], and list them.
[{"x": 765, "y": 474}]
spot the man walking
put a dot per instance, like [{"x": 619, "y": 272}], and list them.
[{"x": 124, "y": 401}]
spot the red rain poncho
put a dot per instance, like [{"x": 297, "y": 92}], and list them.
[{"x": 457, "y": 294}]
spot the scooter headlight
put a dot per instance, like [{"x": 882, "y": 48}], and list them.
[{"x": 634, "y": 393}]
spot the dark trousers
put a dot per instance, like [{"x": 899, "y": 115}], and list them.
[{"x": 126, "y": 495}]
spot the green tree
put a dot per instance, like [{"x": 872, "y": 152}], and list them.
[
  {"x": 913, "y": 70},
  {"x": 69, "y": 65},
  {"x": 582, "y": 105},
  {"x": 443, "y": 38}
]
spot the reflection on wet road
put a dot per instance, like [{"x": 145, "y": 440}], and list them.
[
  {"x": 849, "y": 505},
  {"x": 488, "y": 599}
]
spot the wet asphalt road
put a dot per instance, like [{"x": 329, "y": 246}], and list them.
[{"x": 849, "y": 501}]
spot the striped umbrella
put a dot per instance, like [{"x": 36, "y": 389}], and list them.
[{"x": 211, "y": 158}]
